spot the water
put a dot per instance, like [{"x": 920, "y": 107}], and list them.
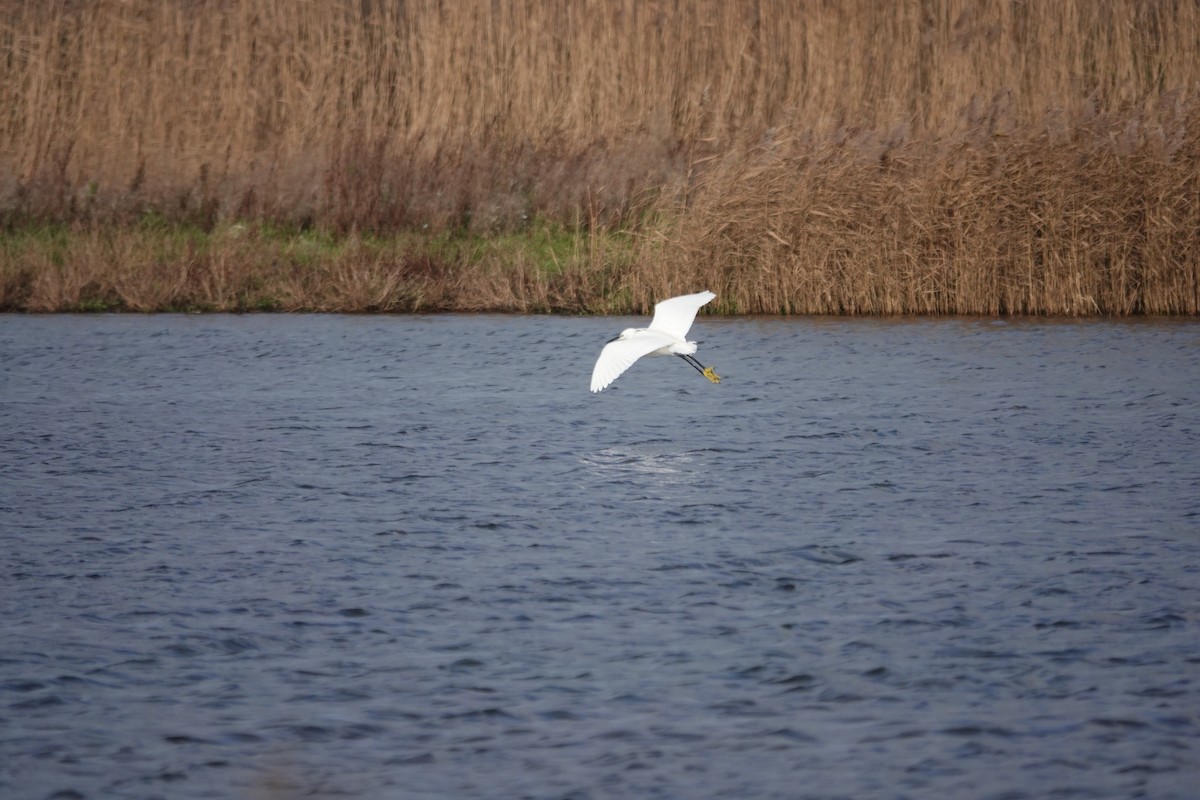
[{"x": 377, "y": 557}]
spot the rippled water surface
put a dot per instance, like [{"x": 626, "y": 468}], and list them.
[{"x": 379, "y": 557}]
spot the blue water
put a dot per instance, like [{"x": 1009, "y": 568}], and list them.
[{"x": 378, "y": 557}]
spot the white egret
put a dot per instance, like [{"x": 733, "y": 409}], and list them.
[{"x": 664, "y": 337}]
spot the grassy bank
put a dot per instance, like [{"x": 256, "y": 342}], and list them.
[
  {"x": 156, "y": 265},
  {"x": 930, "y": 156}
]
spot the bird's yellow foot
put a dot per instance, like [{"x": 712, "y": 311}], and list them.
[{"x": 712, "y": 376}]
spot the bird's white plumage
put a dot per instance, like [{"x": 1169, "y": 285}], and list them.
[
  {"x": 676, "y": 315},
  {"x": 666, "y": 335},
  {"x": 619, "y": 355}
]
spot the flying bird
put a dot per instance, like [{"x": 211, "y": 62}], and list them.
[{"x": 665, "y": 337}]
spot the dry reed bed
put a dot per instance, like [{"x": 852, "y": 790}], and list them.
[
  {"x": 940, "y": 156},
  {"x": 1102, "y": 217}
]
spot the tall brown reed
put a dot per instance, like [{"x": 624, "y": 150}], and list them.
[
  {"x": 925, "y": 156},
  {"x": 1100, "y": 217}
]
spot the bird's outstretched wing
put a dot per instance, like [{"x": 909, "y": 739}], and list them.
[
  {"x": 675, "y": 315},
  {"x": 619, "y": 355}
]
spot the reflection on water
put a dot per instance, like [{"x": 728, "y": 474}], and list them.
[
  {"x": 636, "y": 462},
  {"x": 272, "y": 556}
]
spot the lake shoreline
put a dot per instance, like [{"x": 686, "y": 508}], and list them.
[{"x": 155, "y": 266}]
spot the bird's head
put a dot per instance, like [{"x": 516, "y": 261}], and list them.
[{"x": 628, "y": 333}]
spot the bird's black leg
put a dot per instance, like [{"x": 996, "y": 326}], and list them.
[
  {"x": 707, "y": 372},
  {"x": 692, "y": 360}
]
